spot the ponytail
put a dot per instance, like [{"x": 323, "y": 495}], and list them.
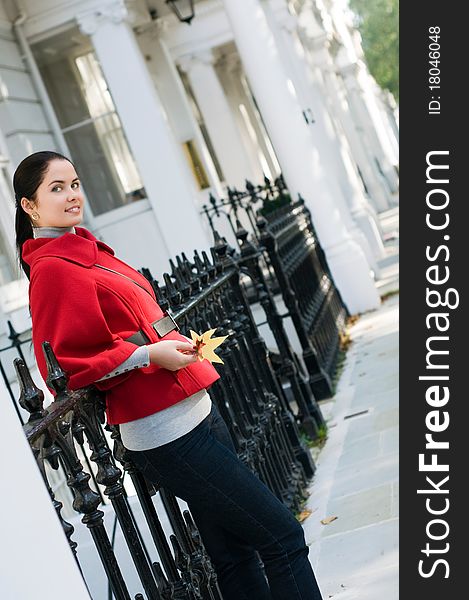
[{"x": 24, "y": 231}]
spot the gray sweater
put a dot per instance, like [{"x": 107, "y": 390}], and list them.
[{"x": 165, "y": 425}]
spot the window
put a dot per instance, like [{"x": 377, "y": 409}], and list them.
[
  {"x": 201, "y": 124},
  {"x": 89, "y": 121}
]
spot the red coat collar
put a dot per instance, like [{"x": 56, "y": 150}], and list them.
[{"x": 80, "y": 247}]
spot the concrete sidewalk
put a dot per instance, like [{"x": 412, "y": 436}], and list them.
[{"x": 355, "y": 556}]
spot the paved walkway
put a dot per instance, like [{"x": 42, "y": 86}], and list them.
[{"x": 355, "y": 556}]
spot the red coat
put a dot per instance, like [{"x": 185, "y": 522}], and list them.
[{"x": 86, "y": 313}]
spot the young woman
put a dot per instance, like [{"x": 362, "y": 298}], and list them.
[{"x": 104, "y": 324}]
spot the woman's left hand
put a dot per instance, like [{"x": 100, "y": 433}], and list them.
[{"x": 190, "y": 341}]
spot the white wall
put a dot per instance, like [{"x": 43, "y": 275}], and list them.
[
  {"x": 33, "y": 543},
  {"x": 132, "y": 232},
  {"x": 22, "y": 119}
]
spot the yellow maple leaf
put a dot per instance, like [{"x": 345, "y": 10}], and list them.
[{"x": 205, "y": 345}]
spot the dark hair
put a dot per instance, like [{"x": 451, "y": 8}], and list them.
[{"x": 27, "y": 178}]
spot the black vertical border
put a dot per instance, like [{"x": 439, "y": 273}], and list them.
[{"x": 421, "y": 133}]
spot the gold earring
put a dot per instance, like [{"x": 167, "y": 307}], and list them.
[{"x": 35, "y": 216}]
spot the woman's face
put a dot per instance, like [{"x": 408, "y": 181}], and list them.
[{"x": 58, "y": 200}]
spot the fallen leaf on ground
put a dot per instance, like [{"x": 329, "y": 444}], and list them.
[
  {"x": 304, "y": 514},
  {"x": 328, "y": 520}
]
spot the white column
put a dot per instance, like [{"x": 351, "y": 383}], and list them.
[
  {"x": 317, "y": 43},
  {"x": 359, "y": 83},
  {"x": 392, "y": 110},
  {"x": 32, "y": 540},
  {"x": 299, "y": 158},
  {"x": 361, "y": 209},
  {"x": 260, "y": 155},
  {"x": 167, "y": 81},
  {"x": 366, "y": 115},
  {"x": 218, "y": 118},
  {"x": 160, "y": 161},
  {"x": 389, "y": 107},
  {"x": 317, "y": 37},
  {"x": 347, "y": 187}
]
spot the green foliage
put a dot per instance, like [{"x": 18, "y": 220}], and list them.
[
  {"x": 322, "y": 437},
  {"x": 319, "y": 441},
  {"x": 272, "y": 204},
  {"x": 378, "y": 23}
]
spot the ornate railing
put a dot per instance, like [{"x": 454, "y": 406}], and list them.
[
  {"x": 313, "y": 302},
  {"x": 201, "y": 294},
  {"x": 291, "y": 262},
  {"x": 205, "y": 294},
  {"x": 183, "y": 570}
]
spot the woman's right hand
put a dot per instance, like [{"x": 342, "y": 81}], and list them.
[{"x": 172, "y": 354}]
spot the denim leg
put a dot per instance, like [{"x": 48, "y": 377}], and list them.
[
  {"x": 239, "y": 570},
  {"x": 236, "y": 512}
]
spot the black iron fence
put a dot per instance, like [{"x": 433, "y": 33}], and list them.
[
  {"x": 201, "y": 294},
  {"x": 291, "y": 262},
  {"x": 267, "y": 399},
  {"x": 313, "y": 302},
  {"x": 16, "y": 348}
]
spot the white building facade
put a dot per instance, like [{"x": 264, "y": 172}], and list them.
[{"x": 157, "y": 116}]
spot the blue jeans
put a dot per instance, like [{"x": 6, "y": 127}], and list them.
[{"x": 235, "y": 513}]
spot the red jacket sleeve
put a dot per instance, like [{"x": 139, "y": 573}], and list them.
[{"x": 66, "y": 311}]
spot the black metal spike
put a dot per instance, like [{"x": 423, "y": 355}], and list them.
[
  {"x": 249, "y": 186},
  {"x": 247, "y": 246},
  {"x": 210, "y": 268},
  {"x": 180, "y": 263},
  {"x": 220, "y": 243},
  {"x": 206, "y": 259},
  {"x": 173, "y": 294},
  {"x": 159, "y": 293},
  {"x": 217, "y": 263},
  {"x": 56, "y": 377},
  {"x": 13, "y": 335},
  {"x": 31, "y": 397},
  {"x": 198, "y": 262},
  {"x": 173, "y": 267},
  {"x": 230, "y": 251},
  {"x": 213, "y": 202}
]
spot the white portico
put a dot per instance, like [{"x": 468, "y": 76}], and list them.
[
  {"x": 160, "y": 162},
  {"x": 318, "y": 33},
  {"x": 298, "y": 154},
  {"x": 219, "y": 118},
  {"x": 157, "y": 115},
  {"x": 359, "y": 216}
]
